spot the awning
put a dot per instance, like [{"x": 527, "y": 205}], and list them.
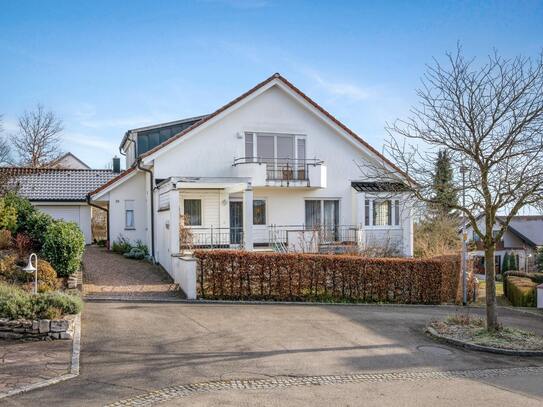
[{"x": 378, "y": 186}]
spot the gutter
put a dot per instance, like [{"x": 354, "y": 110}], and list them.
[
  {"x": 107, "y": 216},
  {"x": 152, "y": 199}
]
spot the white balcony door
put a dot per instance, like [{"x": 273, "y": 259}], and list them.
[{"x": 284, "y": 154}]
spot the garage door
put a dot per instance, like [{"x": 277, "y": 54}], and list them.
[{"x": 67, "y": 213}]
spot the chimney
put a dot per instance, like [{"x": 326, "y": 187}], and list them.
[{"x": 116, "y": 165}]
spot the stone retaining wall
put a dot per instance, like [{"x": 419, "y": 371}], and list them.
[{"x": 37, "y": 329}]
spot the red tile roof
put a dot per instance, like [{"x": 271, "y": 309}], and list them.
[{"x": 113, "y": 180}]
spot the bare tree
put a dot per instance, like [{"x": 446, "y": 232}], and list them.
[
  {"x": 38, "y": 141},
  {"x": 489, "y": 117},
  {"x": 5, "y": 150}
]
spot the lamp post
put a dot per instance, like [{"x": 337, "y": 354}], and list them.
[
  {"x": 463, "y": 170},
  {"x": 33, "y": 269}
]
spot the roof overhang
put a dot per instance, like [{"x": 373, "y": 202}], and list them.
[
  {"x": 362, "y": 186},
  {"x": 101, "y": 192}
]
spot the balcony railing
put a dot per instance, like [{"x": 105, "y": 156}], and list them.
[
  {"x": 282, "y": 169},
  {"x": 210, "y": 238}
]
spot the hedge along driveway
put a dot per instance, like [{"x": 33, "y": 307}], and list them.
[{"x": 239, "y": 275}]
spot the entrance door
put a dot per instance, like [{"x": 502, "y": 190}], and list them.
[{"x": 236, "y": 222}]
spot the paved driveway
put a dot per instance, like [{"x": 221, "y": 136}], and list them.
[
  {"x": 110, "y": 275},
  {"x": 130, "y": 349}
]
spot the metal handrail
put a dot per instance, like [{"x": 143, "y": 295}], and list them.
[{"x": 270, "y": 160}]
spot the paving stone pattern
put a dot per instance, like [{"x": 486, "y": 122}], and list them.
[
  {"x": 185, "y": 390},
  {"x": 108, "y": 275}
]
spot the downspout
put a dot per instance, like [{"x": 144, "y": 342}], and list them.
[
  {"x": 107, "y": 216},
  {"x": 152, "y": 199}
]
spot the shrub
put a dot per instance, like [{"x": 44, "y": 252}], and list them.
[
  {"x": 9, "y": 271},
  {"x": 37, "y": 225},
  {"x": 535, "y": 277},
  {"x": 135, "y": 254},
  {"x": 23, "y": 208},
  {"x": 63, "y": 247},
  {"x": 521, "y": 291},
  {"x": 121, "y": 245},
  {"x": 16, "y": 303},
  {"x": 539, "y": 259},
  {"x": 6, "y": 239},
  {"x": 23, "y": 244},
  {"x": 8, "y": 216},
  {"x": 47, "y": 277},
  {"x": 302, "y": 277}
]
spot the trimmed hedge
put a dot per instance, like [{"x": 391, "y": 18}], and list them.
[
  {"x": 535, "y": 277},
  {"x": 239, "y": 275},
  {"x": 521, "y": 291}
]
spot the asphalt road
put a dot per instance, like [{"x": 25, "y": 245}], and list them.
[{"x": 130, "y": 349}]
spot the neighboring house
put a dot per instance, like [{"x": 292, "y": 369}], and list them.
[
  {"x": 522, "y": 239},
  {"x": 271, "y": 169},
  {"x": 60, "y": 192},
  {"x": 70, "y": 161}
]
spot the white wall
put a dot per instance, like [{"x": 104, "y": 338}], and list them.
[
  {"x": 70, "y": 212},
  {"x": 211, "y": 152},
  {"x": 132, "y": 189}
]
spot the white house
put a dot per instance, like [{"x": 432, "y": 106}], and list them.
[
  {"x": 271, "y": 169},
  {"x": 521, "y": 239}
]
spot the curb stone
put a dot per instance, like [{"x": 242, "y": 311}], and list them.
[
  {"x": 186, "y": 390},
  {"x": 456, "y": 342},
  {"x": 72, "y": 373}
]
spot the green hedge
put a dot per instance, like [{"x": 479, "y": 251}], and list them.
[
  {"x": 16, "y": 303},
  {"x": 63, "y": 247},
  {"x": 535, "y": 277},
  {"x": 521, "y": 291}
]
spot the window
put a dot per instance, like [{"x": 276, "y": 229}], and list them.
[
  {"x": 129, "y": 221},
  {"x": 312, "y": 213},
  {"x": 192, "y": 209},
  {"x": 382, "y": 215},
  {"x": 381, "y": 212},
  {"x": 321, "y": 213},
  {"x": 259, "y": 212},
  {"x": 249, "y": 143}
]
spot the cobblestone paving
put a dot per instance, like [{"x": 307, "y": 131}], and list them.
[
  {"x": 30, "y": 362},
  {"x": 108, "y": 275},
  {"x": 185, "y": 390}
]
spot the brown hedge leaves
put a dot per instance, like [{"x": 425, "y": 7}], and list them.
[{"x": 239, "y": 275}]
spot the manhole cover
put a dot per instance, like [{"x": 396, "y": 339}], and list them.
[{"x": 435, "y": 350}]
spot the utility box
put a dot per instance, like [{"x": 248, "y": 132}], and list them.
[{"x": 540, "y": 296}]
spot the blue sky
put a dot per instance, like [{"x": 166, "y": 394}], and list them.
[{"x": 108, "y": 66}]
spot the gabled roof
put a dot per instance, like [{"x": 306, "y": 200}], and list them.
[
  {"x": 58, "y": 162},
  {"x": 112, "y": 181},
  {"x": 55, "y": 184},
  {"x": 276, "y": 77},
  {"x": 528, "y": 228}
]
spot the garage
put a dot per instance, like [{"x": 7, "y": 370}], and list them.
[{"x": 60, "y": 192}]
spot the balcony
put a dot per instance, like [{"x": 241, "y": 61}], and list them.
[{"x": 282, "y": 172}]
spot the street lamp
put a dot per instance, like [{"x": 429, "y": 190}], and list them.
[
  {"x": 33, "y": 269},
  {"x": 463, "y": 170}
]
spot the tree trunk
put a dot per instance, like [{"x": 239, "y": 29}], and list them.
[{"x": 490, "y": 279}]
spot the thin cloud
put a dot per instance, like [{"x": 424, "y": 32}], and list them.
[{"x": 339, "y": 88}]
